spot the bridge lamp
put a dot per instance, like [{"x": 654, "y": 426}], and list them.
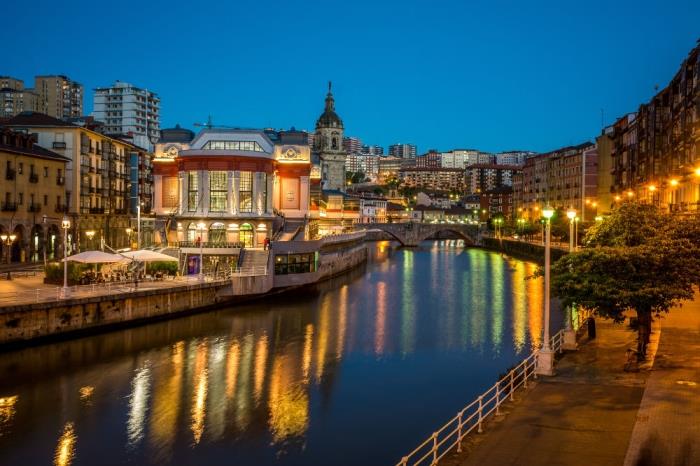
[
  {"x": 65, "y": 224},
  {"x": 571, "y": 213}
]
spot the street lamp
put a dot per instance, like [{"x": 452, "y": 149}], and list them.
[
  {"x": 545, "y": 358},
  {"x": 90, "y": 234},
  {"x": 571, "y": 213},
  {"x": 65, "y": 224},
  {"x": 7, "y": 240},
  {"x": 128, "y": 234},
  {"x": 200, "y": 227}
]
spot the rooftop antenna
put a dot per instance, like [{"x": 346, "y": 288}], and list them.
[{"x": 210, "y": 124}]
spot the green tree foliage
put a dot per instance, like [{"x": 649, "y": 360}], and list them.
[{"x": 639, "y": 259}]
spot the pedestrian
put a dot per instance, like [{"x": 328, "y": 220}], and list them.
[{"x": 266, "y": 244}]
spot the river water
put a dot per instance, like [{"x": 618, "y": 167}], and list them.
[{"x": 358, "y": 370}]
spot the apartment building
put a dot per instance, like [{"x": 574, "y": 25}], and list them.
[
  {"x": 33, "y": 192},
  {"x": 59, "y": 96},
  {"x": 129, "y": 112},
  {"x": 434, "y": 179}
]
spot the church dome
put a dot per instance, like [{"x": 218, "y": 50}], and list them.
[{"x": 329, "y": 119}]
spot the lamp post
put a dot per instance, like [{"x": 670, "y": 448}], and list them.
[
  {"x": 7, "y": 240},
  {"x": 571, "y": 214},
  {"x": 545, "y": 357},
  {"x": 138, "y": 226},
  {"x": 65, "y": 224},
  {"x": 128, "y": 234},
  {"x": 201, "y": 226},
  {"x": 90, "y": 234}
]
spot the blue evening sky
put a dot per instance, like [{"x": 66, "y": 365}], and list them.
[{"x": 494, "y": 75}]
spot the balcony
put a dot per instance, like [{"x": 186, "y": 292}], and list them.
[
  {"x": 120, "y": 211},
  {"x": 59, "y": 145},
  {"x": 33, "y": 207},
  {"x": 60, "y": 180},
  {"x": 61, "y": 209},
  {"x": 33, "y": 178},
  {"x": 92, "y": 190},
  {"x": 97, "y": 210},
  {"x": 10, "y": 174},
  {"x": 9, "y": 207}
]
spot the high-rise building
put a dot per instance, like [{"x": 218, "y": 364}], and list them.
[
  {"x": 14, "y": 98},
  {"x": 59, "y": 96},
  {"x": 462, "y": 158},
  {"x": 513, "y": 157},
  {"x": 404, "y": 151},
  {"x": 433, "y": 159},
  {"x": 129, "y": 112},
  {"x": 352, "y": 145},
  {"x": 372, "y": 150}
]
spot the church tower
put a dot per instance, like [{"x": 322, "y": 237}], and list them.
[{"x": 328, "y": 144}]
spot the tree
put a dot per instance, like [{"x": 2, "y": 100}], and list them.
[{"x": 638, "y": 259}]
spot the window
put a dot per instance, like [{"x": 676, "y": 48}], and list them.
[
  {"x": 192, "y": 190},
  {"x": 20, "y": 198},
  {"x": 20, "y": 168},
  {"x": 217, "y": 233},
  {"x": 251, "y": 146},
  {"x": 295, "y": 263},
  {"x": 46, "y": 172},
  {"x": 217, "y": 191},
  {"x": 46, "y": 199},
  {"x": 245, "y": 192}
]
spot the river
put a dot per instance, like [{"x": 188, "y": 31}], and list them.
[{"x": 357, "y": 370}]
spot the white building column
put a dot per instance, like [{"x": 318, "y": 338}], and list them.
[
  {"x": 257, "y": 194},
  {"x": 270, "y": 191},
  {"x": 235, "y": 203}
]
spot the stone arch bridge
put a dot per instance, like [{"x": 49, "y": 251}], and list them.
[{"x": 410, "y": 234}]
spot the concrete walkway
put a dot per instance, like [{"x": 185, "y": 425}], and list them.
[
  {"x": 583, "y": 416},
  {"x": 668, "y": 424}
]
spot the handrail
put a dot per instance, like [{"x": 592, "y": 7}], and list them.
[{"x": 473, "y": 416}]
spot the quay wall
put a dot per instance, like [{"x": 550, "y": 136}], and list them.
[
  {"x": 26, "y": 323},
  {"x": 521, "y": 249}
]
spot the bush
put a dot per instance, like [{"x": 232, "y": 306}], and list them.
[
  {"x": 54, "y": 272},
  {"x": 167, "y": 267}
]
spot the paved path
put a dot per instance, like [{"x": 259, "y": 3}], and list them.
[
  {"x": 668, "y": 424},
  {"x": 583, "y": 416}
]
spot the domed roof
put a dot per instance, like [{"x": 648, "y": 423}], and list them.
[
  {"x": 176, "y": 134},
  {"x": 329, "y": 119}
]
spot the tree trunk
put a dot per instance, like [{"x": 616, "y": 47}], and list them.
[{"x": 644, "y": 331}]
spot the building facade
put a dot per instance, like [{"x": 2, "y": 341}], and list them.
[
  {"x": 98, "y": 181},
  {"x": 33, "y": 193},
  {"x": 432, "y": 159},
  {"x": 434, "y": 179},
  {"x": 486, "y": 177},
  {"x": 404, "y": 151},
  {"x": 129, "y": 113},
  {"x": 565, "y": 178},
  {"x": 233, "y": 182},
  {"x": 653, "y": 154},
  {"x": 14, "y": 98},
  {"x": 59, "y": 96}
]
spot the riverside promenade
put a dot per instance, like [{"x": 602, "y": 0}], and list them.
[{"x": 592, "y": 412}]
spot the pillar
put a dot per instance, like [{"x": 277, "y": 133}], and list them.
[
  {"x": 270, "y": 193},
  {"x": 234, "y": 193},
  {"x": 229, "y": 192}
]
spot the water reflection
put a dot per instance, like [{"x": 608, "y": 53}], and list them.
[
  {"x": 65, "y": 450},
  {"x": 345, "y": 360}
]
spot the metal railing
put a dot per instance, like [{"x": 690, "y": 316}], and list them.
[
  {"x": 55, "y": 293},
  {"x": 473, "y": 416}
]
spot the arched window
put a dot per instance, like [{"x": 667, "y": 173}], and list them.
[
  {"x": 217, "y": 233},
  {"x": 192, "y": 232},
  {"x": 334, "y": 144},
  {"x": 245, "y": 235}
]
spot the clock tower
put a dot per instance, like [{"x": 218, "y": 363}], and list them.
[{"x": 328, "y": 144}]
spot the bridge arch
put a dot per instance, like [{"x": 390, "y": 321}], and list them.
[
  {"x": 466, "y": 237},
  {"x": 410, "y": 234}
]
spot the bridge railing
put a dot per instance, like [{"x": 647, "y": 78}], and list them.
[{"x": 473, "y": 416}]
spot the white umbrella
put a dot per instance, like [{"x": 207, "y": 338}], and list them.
[
  {"x": 144, "y": 255},
  {"x": 94, "y": 257}
]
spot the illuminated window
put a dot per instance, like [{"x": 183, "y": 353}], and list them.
[
  {"x": 245, "y": 192},
  {"x": 250, "y": 146},
  {"x": 192, "y": 190},
  {"x": 217, "y": 191}
]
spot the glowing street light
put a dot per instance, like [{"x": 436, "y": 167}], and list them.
[
  {"x": 571, "y": 214},
  {"x": 90, "y": 234},
  {"x": 674, "y": 182},
  {"x": 65, "y": 224},
  {"x": 8, "y": 240},
  {"x": 545, "y": 358}
]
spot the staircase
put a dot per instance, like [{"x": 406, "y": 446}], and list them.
[
  {"x": 293, "y": 229},
  {"x": 253, "y": 260}
]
